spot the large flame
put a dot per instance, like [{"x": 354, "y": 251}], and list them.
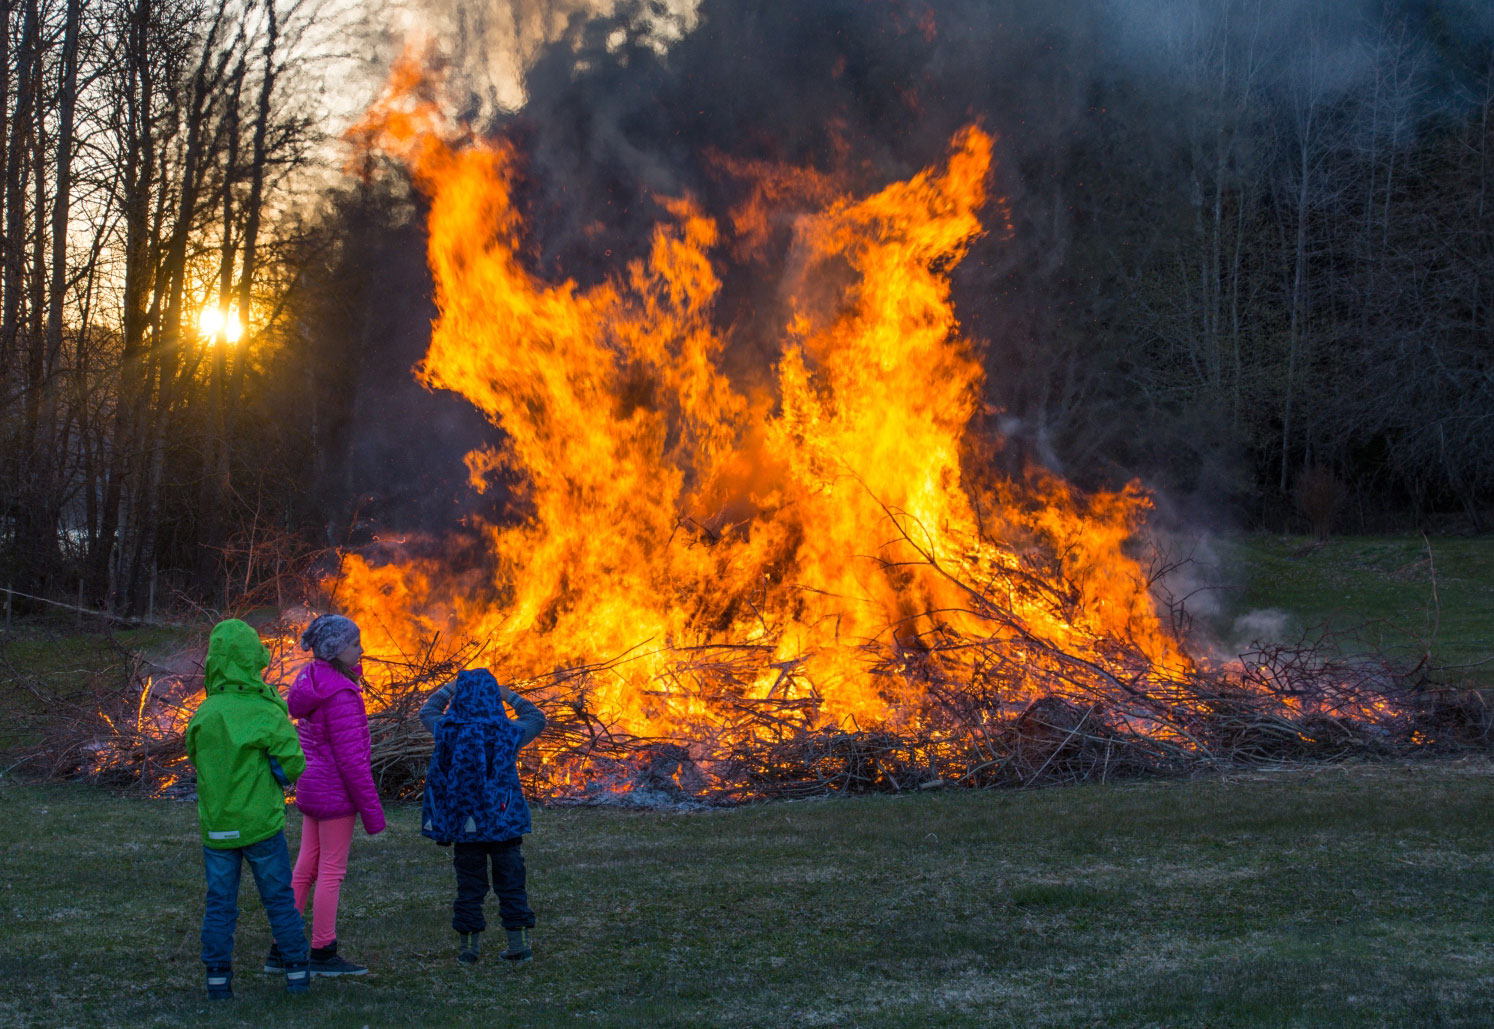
[{"x": 827, "y": 524}]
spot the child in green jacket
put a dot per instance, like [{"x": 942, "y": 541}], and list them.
[{"x": 245, "y": 749}]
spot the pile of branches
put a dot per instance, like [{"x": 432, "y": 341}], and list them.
[
  {"x": 125, "y": 727},
  {"x": 1297, "y": 702},
  {"x": 1281, "y": 703},
  {"x": 1000, "y": 707},
  {"x": 121, "y": 726},
  {"x": 992, "y": 708}
]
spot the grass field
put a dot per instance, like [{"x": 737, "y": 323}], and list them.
[
  {"x": 1401, "y": 595},
  {"x": 1348, "y": 895},
  {"x": 1330, "y": 896}
]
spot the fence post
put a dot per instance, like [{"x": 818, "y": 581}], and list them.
[{"x": 8, "y": 591}]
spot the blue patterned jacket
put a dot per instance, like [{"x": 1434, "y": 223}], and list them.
[{"x": 472, "y": 791}]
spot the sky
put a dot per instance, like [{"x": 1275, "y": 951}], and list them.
[{"x": 489, "y": 43}]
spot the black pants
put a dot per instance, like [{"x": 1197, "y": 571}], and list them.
[{"x": 471, "y": 863}]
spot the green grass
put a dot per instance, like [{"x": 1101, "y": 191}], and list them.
[
  {"x": 1401, "y": 595},
  {"x": 1335, "y": 896},
  {"x": 1356, "y": 895}
]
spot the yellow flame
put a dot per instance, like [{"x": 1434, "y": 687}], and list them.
[{"x": 826, "y": 522}]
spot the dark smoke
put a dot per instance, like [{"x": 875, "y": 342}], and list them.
[{"x": 1096, "y": 106}]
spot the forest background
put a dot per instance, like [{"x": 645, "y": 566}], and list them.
[{"x": 1244, "y": 250}]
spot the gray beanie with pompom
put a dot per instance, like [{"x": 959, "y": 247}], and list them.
[{"x": 329, "y": 635}]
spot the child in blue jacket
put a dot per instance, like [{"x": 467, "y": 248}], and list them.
[{"x": 473, "y": 801}]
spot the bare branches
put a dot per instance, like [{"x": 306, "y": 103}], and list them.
[
  {"x": 1002, "y": 710},
  {"x": 1003, "y": 685}
]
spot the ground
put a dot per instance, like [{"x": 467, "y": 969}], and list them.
[
  {"x": 1354, "y": 895},
  {"x": 1312, "y": 895}
]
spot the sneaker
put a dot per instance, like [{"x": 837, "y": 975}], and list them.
[
  {"x": 219, "y": 982},
  {"x": 471, "y": 948},
  {"x": 297, "y": 977},
  {"x": 326, "y": 961},
  {"x": 274, "y": 963},
  {"x": 518, "y": 946}
]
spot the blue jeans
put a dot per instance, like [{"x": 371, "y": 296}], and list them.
[{"x": 269, "y": 860}]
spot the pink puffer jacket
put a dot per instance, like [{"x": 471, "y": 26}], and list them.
[{"x": 333, "y": 725}]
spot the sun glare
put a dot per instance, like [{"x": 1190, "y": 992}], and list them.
[{"x": 214, "y": 323}]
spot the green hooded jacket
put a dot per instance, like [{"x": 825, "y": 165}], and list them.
[{"x": 240, "y": 734}]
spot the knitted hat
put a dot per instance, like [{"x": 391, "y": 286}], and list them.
[{"x": 329, "y": 635}]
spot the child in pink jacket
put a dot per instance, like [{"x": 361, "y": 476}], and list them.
[{"x": 327, "y": 701}]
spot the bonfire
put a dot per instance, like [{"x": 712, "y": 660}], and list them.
[{"x": 813, "y": 581}]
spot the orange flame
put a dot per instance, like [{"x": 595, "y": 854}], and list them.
[{"x": 827, "y": 521}]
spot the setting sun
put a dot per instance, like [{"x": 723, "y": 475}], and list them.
[{"x": 214, "y": 322}]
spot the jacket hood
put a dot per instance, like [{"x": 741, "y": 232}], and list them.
[
  {"x": 476, "y": 697},
  {"x": 316, "y": 682},
  {"x": 236, "y": 661}
]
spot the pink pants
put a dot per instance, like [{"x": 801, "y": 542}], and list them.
[{"x": 323, "y": 860}]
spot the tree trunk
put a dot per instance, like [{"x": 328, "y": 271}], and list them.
[
  {"x": 139, "y": 174},
  {"x": 46, "y": 507},
  {"x": 36, "y": 539},
  {"x": 213, "y": 490},
  {"x": 6, "y": 7},
  {"x": 15, "y": 190},
  {"x": 252, "y": 207},
  {"x": 1294, "y": 326}
]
